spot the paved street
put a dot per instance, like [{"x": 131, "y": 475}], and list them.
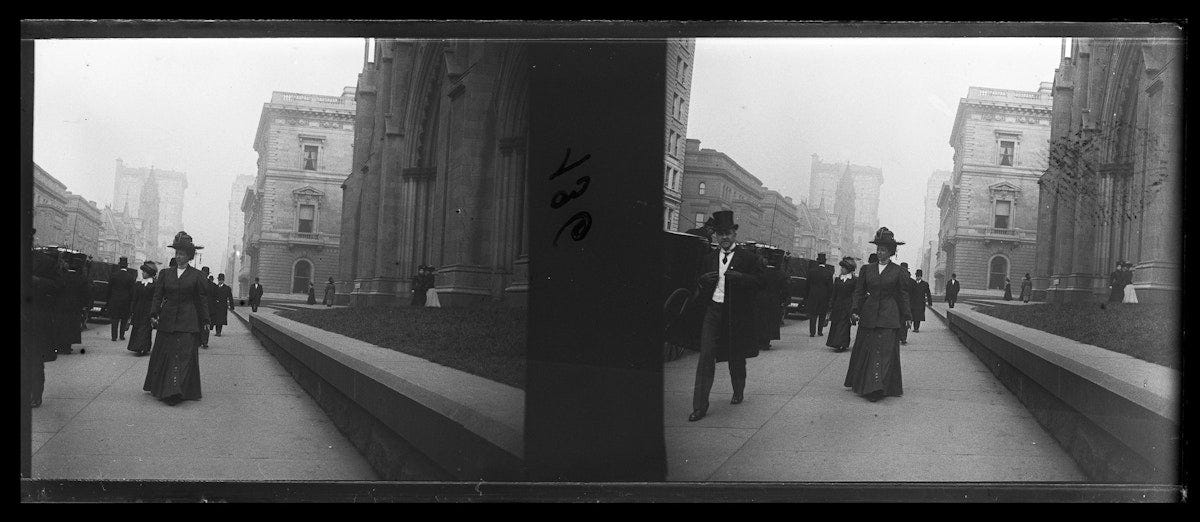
[
  {"x": 955, "y": 421},
  {"x": 254, "y": 422}
]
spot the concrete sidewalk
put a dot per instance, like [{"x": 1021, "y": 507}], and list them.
[
  {"x": 955, "y": 421},
  {"x": 253, "y": 423}
]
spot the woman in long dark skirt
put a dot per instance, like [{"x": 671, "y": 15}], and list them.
[
  {"x": 840, "y": 302},
  {"x": 881, "y": 309},
  {"x": 179, "y": 311},
  {"x": 1007, "y": 289},
  {"x": 141, "y": 334}
]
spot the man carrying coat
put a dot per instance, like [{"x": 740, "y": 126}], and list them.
[
  {"x": 120, "y": 293},
  {"x": 816, "y": 303},
  {"x": 726, "y": 291}
]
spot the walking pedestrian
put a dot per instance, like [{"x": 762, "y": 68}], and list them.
[
  {"x": 919, "y": 296},
  {"x": 121, "y": 286},
  {"x": 430, "y": 285},
  {"x": 909, "y": 281},
  {"x": 330, "y": 290},
  {"x": 256, "y": 292},
  {"x": 816, "y": 303},
  {"x": 1026, "y": 288},
  {"x": 220, "y": 303},
  {"x": 726, "y": 289},
  {"x": 1130, "y": 293},
  {"x": 952, "y": 288},
  {"x": 179, "y": 310},
  {"x": 1007, "y": 289},
  {"x": 417, "y": 287},
  {"x": 772, "y": 291},
  {"x": 141, "y": 336},
  {"x": 72, "y": 298},
  {"x": 312, "y": 293},
  {"x": 39, "y": 321},
  {"x": 840, "y": 302},
  {"x": 881, "y": 309},
  {"x": 209, "y": 290}
]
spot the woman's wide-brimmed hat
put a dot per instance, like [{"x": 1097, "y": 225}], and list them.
[
  {"x": 722, "y": 221},
  {"x": 848, "y": 263},
  {"x": 885, "y": 237},
  {"x": 184, "y": 242},
  {"x": 150, "y": 267}
]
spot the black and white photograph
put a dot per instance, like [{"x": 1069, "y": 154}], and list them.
[{"x": 396, "y": 261}]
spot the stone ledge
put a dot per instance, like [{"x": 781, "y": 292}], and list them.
[
  {"x": 1116, "y": 415},
  {"x": 434, "y": 422}
]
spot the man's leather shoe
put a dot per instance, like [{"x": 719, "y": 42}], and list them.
[
  {"x": 696, "y": 415},
  {"x": 737, "y": 399}
]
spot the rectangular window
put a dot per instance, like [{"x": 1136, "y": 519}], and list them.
[
  {"x": 307, "y": 217},
  {"x": 310, "y": 157},
  {"x": 1006, "y": 152},
  {"x": 1003, "y": 211},
  {"x": 699, "y": 219}
]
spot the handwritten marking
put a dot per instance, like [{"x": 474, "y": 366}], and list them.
[{"x": 583, "y": 223}]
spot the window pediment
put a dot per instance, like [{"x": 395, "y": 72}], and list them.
[{"x": 308, "y": 195}]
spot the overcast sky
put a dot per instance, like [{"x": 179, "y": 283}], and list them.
[
  {"x": 193, "y": 106},
  {"x": 190, "y": 105},
  {"x": 770, "y": 104}
]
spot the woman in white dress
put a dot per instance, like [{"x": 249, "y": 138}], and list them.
[
  {"x": 1130, "y": 294},
  {"x": 431, "y": 298}
]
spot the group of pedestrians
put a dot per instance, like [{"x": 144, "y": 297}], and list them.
[
  {"x": 61, "y": 299},
  {"x": 880, "y": 298}
]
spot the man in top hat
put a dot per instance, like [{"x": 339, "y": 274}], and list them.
[
  {"x": 919, "y": 297},
  {"x": 726, "y": 290},
  {"x": 256, "y": 292},
  {"x": 121, "y": 287},
  {"x": 952, "y": 288},
  {"x": 1117, "y": 281},
  {"x": 417, "y": 284},
  {"x": 911, "y": 286},
  {"x": 816, "y": 303},
  {"x": 210, "y": 290}
]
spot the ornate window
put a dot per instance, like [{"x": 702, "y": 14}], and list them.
[
  {"x": 1003, "y": 197},
  {"x": 310, "y": 157},
  {"x": 308, "y": 201},
  {"x": 308, "y": 215},
  {"x": 310, "y": 151},
  {"x": 702, "y": 188},
  {"x": 1003, "y": 212},
  {"x": 1007, "y": 143},
  {"x": 699, "y": 219}
]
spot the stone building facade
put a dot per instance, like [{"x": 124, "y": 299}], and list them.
[
  {"x": 813, "y": 232},
  {"x": 120, "y": 236},
  {"x": 932, "y": 260},
  {"x": 293, "y": 211},
  {"x": 439, "y": 174},
  {"x": 989, "y": 216},
  {"x": 237, "y": 274},
  {"x": 680, "y": 57},
  {"x": 714, "y": 182},
  {"x": 779, "y": 219},
  {"x": 155, "y": 197},
  {"x": 83, "y": 224},
  {"x": 849, "y": 195},
  {"x": 49, "y": 209},
  {"x": 1113, "y": 189}
]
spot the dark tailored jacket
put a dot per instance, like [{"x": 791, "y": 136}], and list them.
[
  {"x": 256, "y": 292},
  {"x": 75, "y": 296},
  {"x": 820, "y": 284},
  {"x": 841, "y": 297},
  {"x": 120, "y": 292},
  {"x": 918, "y": 296},
  {"x": 40, "y": 317},
  {"x": 330, "y": 290},
  {"x": 180, "y": 303},
  {"x": 952, "y": 287},
  {"x": 219, "y": 304},
  {"x": 741, "y": 288},
  {"x": 881, "y": 300},
  {"x": 139, "y": 306},
  {"x": 772, "y": 293}
]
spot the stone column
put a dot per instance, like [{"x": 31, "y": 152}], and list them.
[
  {"x": 1157, "y": 274},
  {"x": 368, "y": 202},
  {"x": 516, "y": 293}
]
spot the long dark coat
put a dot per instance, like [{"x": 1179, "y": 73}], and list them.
[
  {"x": 952, "y": 287},
  {"x": 120, "y": 293},
  {"x": 219, "y": 303},
  {"x": 918, "y": 297},
  {"x": 418, "y": 291},
  {"x": 881, "y": 300},
  {"x": 40, "y": 318},
  {"x": 180, "y": 303},
  {"x": 841, "y": 300},
  {"x": 741, "y": 289},
  {"x": 74, "y": 297},
  {"x": 820, "y": 284},
  {"x": 256, "y": 292},
  {"x": 769, "y": 298},
  {"x": 330, "y": 290},
  {"x": 140, "y": 335}
]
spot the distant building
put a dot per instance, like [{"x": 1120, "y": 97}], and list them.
[
  {"x": 716, "y": 182},
  {"x": 237, "y": 274},
  {"x": 849, "y": 194},
  {"x": 988, "y": 223},
  {"x": 931, "y": 259},
  {"x": 119, "y": 237},
  {"x": 49, "y": 208},
  {"x": 813, "y": 231},
  {"x": 779, "y": 219},
  {"x": 293, "y": 211},
  {"x": 156, "y": 198},
  {"x": 680, "y": 57},
  {"x": 1113, "y": 189}
]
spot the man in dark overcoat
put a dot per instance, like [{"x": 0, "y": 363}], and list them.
[
  {"x": 210, "y": 288},
  {"x": 76, "y": 293},
  {"x": 903, "y": 334},
  {"x": 417, "y": 283},
  {"x": 918, "y": 297},
  {"x": 256, "y": 292},
  {"x": 816, "y": 303},
  {"x": 726, "y": 290},
  {"x": 772, "y": 292},
  {"x": 952, "y": 288},
  {"x": 1117, "y": 282},
  {"x": 119, "y": 294},
  {"x": 38, "y": 325},
  {"x": 219, "y": 304}
]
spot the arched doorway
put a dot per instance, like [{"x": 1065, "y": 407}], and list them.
[
  {"x": 301, "y": 276},
  {"x": 997, "y": 271}
]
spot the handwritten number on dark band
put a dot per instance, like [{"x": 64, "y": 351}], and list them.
[
  {"x": 583, "y": 223},
  {"x": 561, "y": 198},
  {"x": 563, "y": 167}
]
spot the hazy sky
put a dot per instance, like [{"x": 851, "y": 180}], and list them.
[
  {"x": 193, "y": 105},
  {"x": 770, "y": 104},
  {"x": 190, "y": 105}
]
